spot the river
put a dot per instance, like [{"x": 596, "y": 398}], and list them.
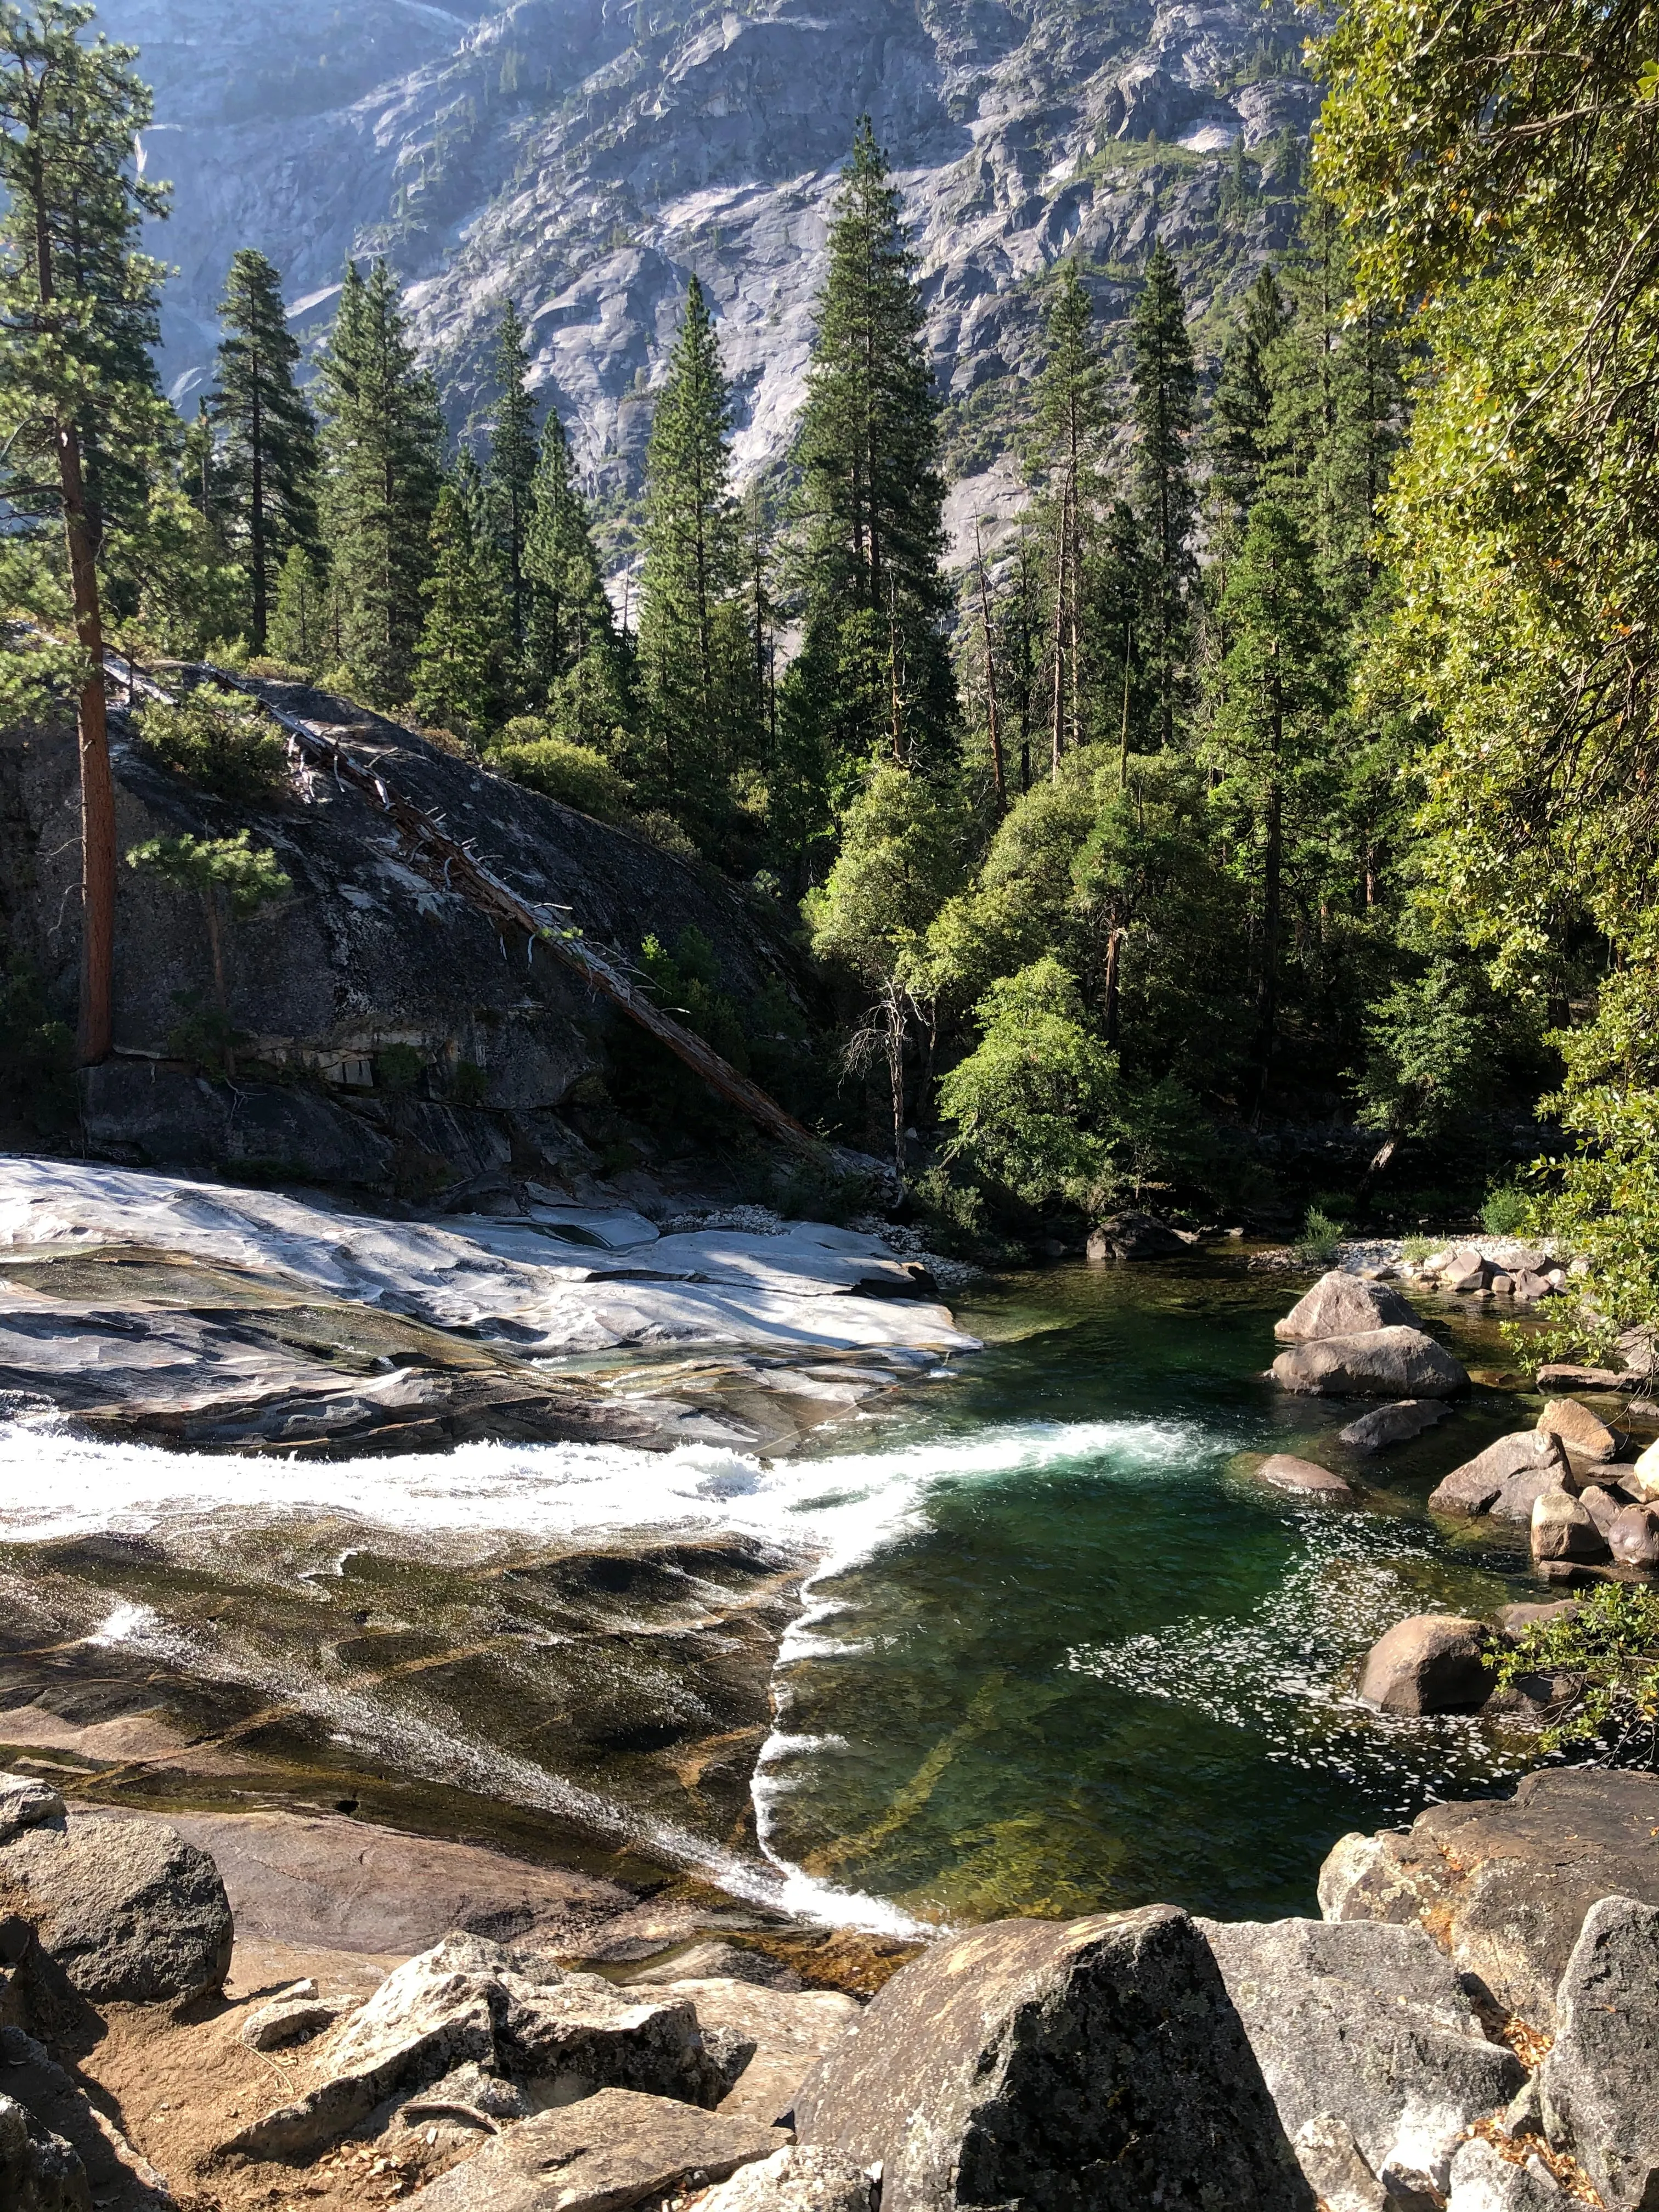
[{"x": 1055, "y": 1650}]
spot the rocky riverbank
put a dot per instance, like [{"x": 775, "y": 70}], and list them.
[{"x": 254, "y": 2012}]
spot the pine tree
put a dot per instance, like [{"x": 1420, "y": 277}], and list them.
[
  {"x": 1241, "y": 411},
  {"x": 569, "y": 618},
  {"x": 1071, "y": 413},
  {"x": 458, "y": 660},
  {"x": 80, "y": 418},
  {"x": 268, "y": 437},
  {"x": 874, "y": 674},
  {"x": 691, "y": 644},
  {"x": 299, "y": 623},
  {"x": 510, "y": 473},
  {"x": 1165, "y": 386},
  {"x": 382, "y": 435}
]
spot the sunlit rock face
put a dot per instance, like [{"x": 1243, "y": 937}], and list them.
[{"x": 586, "y": 158}]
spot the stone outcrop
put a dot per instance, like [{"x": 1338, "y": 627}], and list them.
[
  {"x": 1365, "y": 2029},
  {"x": 1376, "y": 1363},
  {"x": 1596, "y": 2084},
  {"x": 1505, "y": 1479},
  {"x": 1136, "y": 1237},
  {"x": 997, "y": 2068},
  {"x": 611, "y": 2150},
  {"x": 804, "y": 2178},
  {"x": 1340, "y": 1304},
  {"x": 1393, "y": 1424},
  {"x": 787, "y": 2032},
  {"x": 1506, "y": 1882},
  {"x": 1434, "y": 1662},
  {"x": 127, "y": 1909}
]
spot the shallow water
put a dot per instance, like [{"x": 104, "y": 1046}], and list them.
[{"x": 1058, "y": 1652}]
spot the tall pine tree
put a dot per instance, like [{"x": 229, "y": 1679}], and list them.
[
  {"x": 691, "y": 643},
  {"x": 1165, "y": 387},
  {"x": 382, "y": 437},
  {"x": 268, "y": 443},
  {"x": 457, "y": 661},
  {"x": 1241, "y": 410},
  {"x": 510, "y": 473},
  {"x": 1071, "y": 415},
  {"x": 575, "y": 670},
  {"x": 873, "y": 675}
]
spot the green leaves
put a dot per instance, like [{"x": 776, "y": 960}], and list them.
[
  {"x": 247, "y": 874},
  {"x": 219, "y": 741}
]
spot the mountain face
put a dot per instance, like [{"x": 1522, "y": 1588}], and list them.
[{"x": 586, "y": 158}]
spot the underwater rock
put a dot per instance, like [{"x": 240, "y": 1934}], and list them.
[{"x": 1305, "y": 1477}]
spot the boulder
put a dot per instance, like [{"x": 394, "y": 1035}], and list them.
[
  {"x": 39, "y": 2171},
  {"x": 718, "y": 1961},
  {"x": 1132, "y": 1235},
  {"x": 1305, "y": 1477},
  {"x": 1434, "y": 1662},
  {"x": 131, "y": 1912},
  {"x": 1583, "y": 1435},
  {"x": 1642, "y": 1481},
  {"x": 511, "y": 2012},
  {"x": 1561, "y": 1528},
  {"x": 787, "y": 2032},
  {"x": 294, "y": 2015},
  {"x": 1466, "y": 1270},
  {"x": 1393, "y": 1424},
  {"x": 1603, "y": 1506},
  {"x": 1481, "y": 1483},
  {"x": 1366, "y": 2025},
  {"x": 1483, "y": 2180},
  {"x": 610, "y": 2151},
  {"x": 1506, "y": 1882},
  {"x": 999, "y": 2069},
  {"x": 1560, "y": 1378},
  {"x": 1376, "y": 1363},
  {"x": 804, "y": 2178},
  {"x": 1529, "y": 1286},
  {"x": 26, "y": 1803},
  {"x": 1596, "y": 2084},
  {"x": 1633, "y": 1537},
  {"x": 1514, "y": 1620},
  {"x": 1339, "y": 1305}
]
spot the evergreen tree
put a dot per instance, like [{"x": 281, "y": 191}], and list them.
[
  {"x": 1071, "y": 413},
  {"x": 1241, "y": 410},
  {"x": 510, "y": 475},
  {"x": 268, "y": 438},
  {"x": 457, "y": 658},
  {"x": 691, "y": 627},
  {"x": 575, "y": 670},
  {"x": 79, "y": 409},
  {"x": 873, "y": 673},
  {"x": 1165, "y": 386},
  {"x": 382, "y": 435},
  {"x": 299, "y": 627}
]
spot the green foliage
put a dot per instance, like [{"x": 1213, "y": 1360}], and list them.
[
  {"x": 686, "y": 983},
  {"x": 219, "y": 741},
  {"x": 1611, "y": 1645},
  {"x": 573, "y": 668},
  {"x": 37, "y": 1055},
  {"x": 1165, "y": 386},
  {"x": 458, "y": 660},
  {"x": 529, "y": 752},
  {"x": 248, "y": 875},
  {"x": 300, "y": 629},
  {"x": 510, "y": 477},
  {"x": 1506, "y": 1211},
  {"x": 267, "y": 461},
  {"x": 1415, "y": 1250},
  {"x": 1319, "y": 1242},
  {"x": 809, "y": 1193},
  {"x": 204, "y": 1037},
  {"x": 397, "y": 1069},
  {"x": 469, "y": 1084}
]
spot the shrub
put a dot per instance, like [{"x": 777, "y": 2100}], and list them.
[
  {"x": 665, "y": 833},
  {"x": 1416, "y": 1250},
  {"x": 398, "y": 1068},
  {"x": 575, "y": 774},
  {"x": 1611, "y": 1644},
  {"x": 37, "y": 1054},
  {"x": 470, "y": 1084},
  {"x": 219, "y": 741},
  {"x": 1507, "y": 1211},
  {"x": 1319, "y": 1241}
]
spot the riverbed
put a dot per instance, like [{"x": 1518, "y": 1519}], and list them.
[{"x": 1023, "y": 1636}]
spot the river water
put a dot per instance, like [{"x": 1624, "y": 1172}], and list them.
[{"x": 1057, "y": 1651}]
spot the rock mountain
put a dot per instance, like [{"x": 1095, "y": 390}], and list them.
[{"x": 586, "y": 157}]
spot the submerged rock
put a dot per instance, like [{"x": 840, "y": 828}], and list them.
[
  {"x": 998, "y": 2069},
  {"x": 1431, "y": 1663},
  {"x": 1393, "y": 1424},
  {"x": 1596, "y": 2084},
  {"x": 1495, "y": 1481},
  {"x": 1366, "y": 2027},
  {"x": 1305, "y": 1477},
  {"x": 1378, "y": 1363},
  {"x": 131, "y": 1912},
  {"x": 1506, "y": 1882},
  {"x": 718, "y": 1961},
  {"x": 1340, "y": 1304},
  {"x": 609, "y": 2151}
]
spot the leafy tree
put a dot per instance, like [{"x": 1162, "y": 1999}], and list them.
[
  {"x": 532, "y": 753},
  {"x": 693, "y": 662},
  {"x": 874, "y": 674},
  {"x": 382, "y": 435},
  {"x": 510, "y": 475},
  {"x": 80, "y": 414},
  {"x": 268, "y": 459},
  {"x": 1165, "y": 386},
  {"x": 457, "y": 661}
]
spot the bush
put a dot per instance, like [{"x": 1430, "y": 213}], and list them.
[
  {"x": 398, "y": 1068},
  {"x": 1611, "y": 1644},
  {"x": 470, "y": 1084},
  {"x": 1416, "y": 1250},
  {"x": 573, "y": 774},
  {"x": 665, "y": 833},
  {"x": 1507, "y": 1211},
  {"x": 1319, "y": 1242},
  {"x": 219, "y": 741},
  {"x": 37, "y": 1055}
]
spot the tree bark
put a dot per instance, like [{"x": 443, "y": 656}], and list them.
[
  {"x": 95, "y": 1027},
  {"x": 1114, "y": 954}
]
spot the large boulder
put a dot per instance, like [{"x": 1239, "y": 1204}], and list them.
[
  {"x": 1596, "y": 2084},
  {"x": 1585, "y": 1437},
  {"x": 1132, "y": 1235},
  {"x": 1483, "y": 2180},
  {"x": 1303, "y": 1477},
  {"x": 1339, "y": 1305},
  {"x": 1393, "y": 1424},
  {"x": 1366, "y": 2027},
  {"x": 1374, "y": 1363},
  {"x": 790, "y": 2032},
  {"x": 1490, "y": 1482},
  {"x": 39, "y": 2171},
  {"x": 1505, "y": 1883},
  {"x": 1642, "y": 1481},
  {"x": 606, "y": 2153},
  {"x": 513, "y": 2014},
  {"x": 128, "y": 1910},
  {"x": 1633, "y": 1537},
  {"x": 804, "y": 2178},
  {"x": 1564, "y": 1527},
  {"x": 1435, "y": 1662},
  {"x": 1096, "y": 2063}
]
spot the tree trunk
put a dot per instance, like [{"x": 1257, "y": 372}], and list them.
[
  {"x": 1113, "y": 953},
  {"x": 95, "y": 1029},
  {"x": 1059, "y": 709},
  {"x": 993, "y": 729},
  {"x": 256, "y": 521}
]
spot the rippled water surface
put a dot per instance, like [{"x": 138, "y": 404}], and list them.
[{"x": 1059, "y": 1651}]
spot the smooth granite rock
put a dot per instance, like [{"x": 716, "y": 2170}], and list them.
[
  {"x": 805, "y": 2178},
  {"x": 787, "y": 2032},
  {"x": 1393, "y": 1424},
  {"x": 998, "y": 2068},
  {"x": 1597, "y": 2083},
  {"x": 1580, "y": 1433},
  {"x": 1479, "y": 1484},
  {"x": 1378, "y": 1363},
  {"x": 1340, "y": 1304},
  {"x": 1562, "y": 1527},
  {"x": 1435, "y": 1662}
]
